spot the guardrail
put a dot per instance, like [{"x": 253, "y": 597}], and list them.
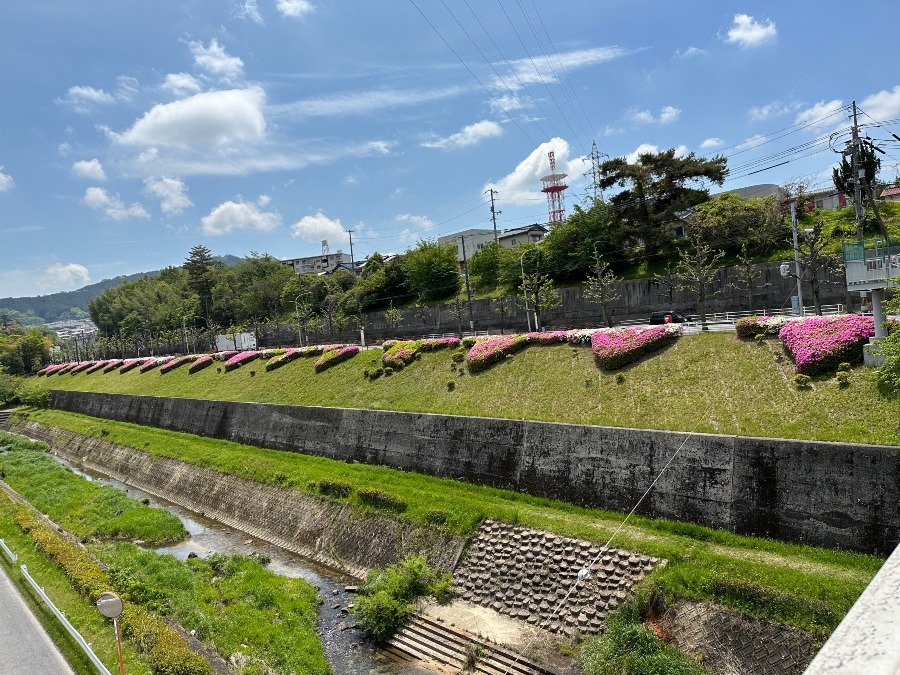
[{"x": 85, "y": 647}]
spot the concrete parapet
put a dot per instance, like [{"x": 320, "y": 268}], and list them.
[{"x": 825, "y": 494}]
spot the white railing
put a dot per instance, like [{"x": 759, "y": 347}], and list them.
[{"x": 9, "y": 554}]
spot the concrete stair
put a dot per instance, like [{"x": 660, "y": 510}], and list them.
[
  {"x": 427, "y": 640},
  {"x": 4, "y": 417}
]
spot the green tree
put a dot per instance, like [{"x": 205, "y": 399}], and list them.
[
  {"x": 538, "y": 292},
  {"x": 696, "y": 269},
  {"x": 570, "y": 246},
  {"x": 844, "y": 180},
  {"x": 731, "y": 223},
  {"x": 201, "y": 268},
  {"x": 656, "y": 188},
  {"x": 484, "y": 266},
  {"x": 600, "y": 287},
  {"x": 432, "y": 271}
]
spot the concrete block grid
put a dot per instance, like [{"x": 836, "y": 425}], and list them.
[
  {"x": 526, "y": 575},
  {"x": 823, "y": 494}
]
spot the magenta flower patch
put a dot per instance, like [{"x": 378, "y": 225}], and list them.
[
  {"x": 485, "y": 353},
  {"x": 818, "y": 344},
  {"x": 199, "y": 364},
  {"x": 131, "y": 363},
  {"x": 334, "y": 357},
  {"x": 84, "y": 365},
  {"x": 112, "y": 364},
  {"x": 240, "y": 359},
  {"x": 174, "y": 363},
  {"x": 751, "y": 326},
  {"x": 286, "y": 357},
  {"x": 97, "y": 366},
  {"x": 151, "y": 363},
  {"x": 618, "y": 347}
]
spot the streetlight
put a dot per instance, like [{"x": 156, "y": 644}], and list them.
[{"x": 525, "y": 288}]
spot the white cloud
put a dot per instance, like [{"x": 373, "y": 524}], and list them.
[
  {"x": 249, "y": 10},
  {"x": 543, "y": 69},
  {"x": 710, "y": 143},
  {"x": 667, "y": 115},
  {"x": 242, "y": 215},
  {"x": 6, "y": 181},
  {"x": 64, "y": 149},
  {"x": 376, "y": 148},
  {"x": 690, "y": 52},
  {"x": 60, "y": 275},
  {"x": 649, "y": 149},
  {"x": 884, "y": 105},
  {"x": 85, "y": 100},
  {"x": 171, "y": 192},
  {"x": 363, "y": 102},
  {"x": 127, "y": 87},
  {"x": 752, "y": 142},
  {"x": 181, "y": 84},
  {"x": 215, "y": 60},
  {"x": 91, "y": 169},
  {"x": 113, "y": 207},
  {"x": 823, "y": 114},
  {"x": 506, "y": 103},
  {"x": 523, "y": 185},
  {"x": 318, "y": 227},
  {"x": 264, "y": 201},
  {"x": 470, "y": 135},
  {"x": 776, "y": 108},
  {"x": 294, "y": 8},
  {"x": 214, "y": 118},
  {"x": 420, "y": 225},
  {"x": 746, "y": 31}
]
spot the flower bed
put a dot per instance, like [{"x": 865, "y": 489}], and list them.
[
  {"x": 51, "y": 369},
  {"x": 128, "y": 364},
  {"x": 618, "y": 347},
  {"x": 67, "y": 367},
  {"x": 818, "y": 344},
  {"x": 112, "y": 364},
  {"x": 286, "y": 357},
  {"x": 751, "y": 326},
  {"x": 151, "y": 363},
  {"x": 84, "y": 365},
  {"x": 240, "y": 359},
  {"x": 175, "y": 363},
  {"x": 199, "y": 364},
  {"x": 487, "y": 352},
  {"x": 97, "y": 366},
  {"x": 224, "y": 356},
  {"x": 335, "y": 356},
  {"x": 398, "y": 354}
]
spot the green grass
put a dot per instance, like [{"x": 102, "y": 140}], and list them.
[
  {"x": 805, "y": 587},
  {"x": 232, "y": 602},
  {"x": 88, "y": 510},
  {"x": 710, "y": 383}
]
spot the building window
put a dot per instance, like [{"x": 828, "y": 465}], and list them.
[
  {"x": 480, "y": 246},
  {"x": 514, "y": 242},
  {"x": 820, "y": 204}
]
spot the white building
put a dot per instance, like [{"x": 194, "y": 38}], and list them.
[
  {"x": 477, "y": 238},
  {"x": 318, "y": 264}
]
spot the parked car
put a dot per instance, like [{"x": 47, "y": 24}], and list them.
[{"x": 669, "y": 316}]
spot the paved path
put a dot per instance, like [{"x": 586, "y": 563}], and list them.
[{"x": 25, "y": 647}]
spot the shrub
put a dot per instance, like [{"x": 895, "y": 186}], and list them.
[
  {"x": 451, "y": 385},
  {"x": 128, "y": 364},
  {"x": 458, "y": 357},
  {"x": 335, "y": 488},
  {"x": 843, "y": 366},
  {"x": 818, "y": 344},
  {"x": 802, "y": 381},
  {"x": 753, "y": 326},
  {"x": 468, "y": 342},
  {"x": 84, "y": 365},
  {"x": 151, "y": 363},
  {"x": 97, "y": 366},
  {"x": 175, "y": 363},
  {"x": 381, "y": 499},
  {"x": 617, "y": 348},
  {"x": 240, "y": 359},
  {"x": 435, "y": 517},
  {"x": 203, "y": 362},
  {"x": 112, "y": 365},
  {"x": 488, "y": 352},
  {"x": 843, "y": 378},
  {"x": 388, "y": 597},
  {"x": 620, "y": 378},
  {"x": 285, "y": 357},
  {"x": 334, "y": 357}
]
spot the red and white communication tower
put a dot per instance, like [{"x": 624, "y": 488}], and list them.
[{"x": 554, "y": 187}]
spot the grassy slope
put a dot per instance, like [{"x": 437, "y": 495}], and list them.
[
  {"x": 802, "y": 586},
  {"x": 710, "y": 383}
]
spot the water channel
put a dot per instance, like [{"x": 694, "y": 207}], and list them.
[{"x": 346, "y": 649}]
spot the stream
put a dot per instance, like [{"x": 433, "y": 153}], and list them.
[{"x": 346, "y": 649}]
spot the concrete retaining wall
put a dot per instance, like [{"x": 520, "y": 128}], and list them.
[
  {"x": 329, "y": 532},
  {"x": 825, "y": 494}
]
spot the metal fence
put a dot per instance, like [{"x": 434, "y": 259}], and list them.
[{"x": 85, "y": 647}]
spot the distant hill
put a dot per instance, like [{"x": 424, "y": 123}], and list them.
[{"x": 56, "y": 306}]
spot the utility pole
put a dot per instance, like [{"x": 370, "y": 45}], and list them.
[
  {"x": 797, "y": 270},
  {"x": 352, "y": 264},
  {"x": 494, "y": 213},
  {"x": 468, "y": 287},
  {"x": 857, "y": 181},
  {"x": 594, "y": 172}
]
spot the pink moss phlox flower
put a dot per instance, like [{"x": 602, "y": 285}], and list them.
[
  {"x": 112, "y": 365},
  {"x": 751, "y": 326},
  {"x": 335, "y": 356},
  {"x": 200, "y": 363},
  {"x": 176, "y": 362},
  {"x": 84, "y": 365},
  {"x": 496, "y": 348},
  {"x": 131, "y": 363},
  {"x": 97, "y": 366},
  {"x": 152, "y": 362},
  {"x": 286, "y": 356},
  {"x": 618, "y": 347},
  {"x": 240, "y": 359},
  {"x": 819, "y": 343}
]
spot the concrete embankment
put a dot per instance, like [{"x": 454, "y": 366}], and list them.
[
  {"x": 824, "y": 494},
  {"x": 322, "y": 530}
]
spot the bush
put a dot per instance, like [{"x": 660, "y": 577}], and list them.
[
  {"x": 616, "y": 348},
  {"x": 335, "y": 488},
  {"x": 435, "y": 517},
  {"x": 381, "y": 499},
  {"x": 843, "y": 378},
  {"x": 387, "y": 599},
  {"x": 334, "y": 357},
  {"x": 818, "y": 344},
  {"x": 802, "y": 381}
]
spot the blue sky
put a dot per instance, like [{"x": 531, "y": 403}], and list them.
[{"x": 131, "y": 131}]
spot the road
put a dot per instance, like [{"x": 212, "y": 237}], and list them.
[{"x": 25, "y": 647}]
